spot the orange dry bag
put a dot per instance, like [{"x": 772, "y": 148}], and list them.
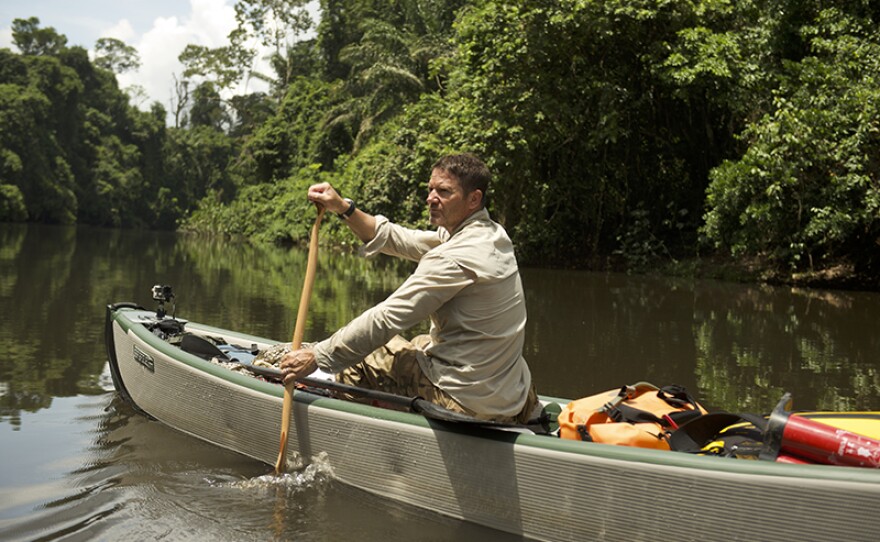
[{"x": 641, "y": 415}]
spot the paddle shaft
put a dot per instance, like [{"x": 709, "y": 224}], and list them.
[{"x": 298, "y": 332}]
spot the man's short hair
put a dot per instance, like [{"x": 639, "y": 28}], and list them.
[{"x": 471, "y": 172}]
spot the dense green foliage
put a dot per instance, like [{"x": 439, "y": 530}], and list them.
[
  {"x": 74, "y": 150},
  {"x": 620, "y": 131},
  {"x": 807, "y": 188}
]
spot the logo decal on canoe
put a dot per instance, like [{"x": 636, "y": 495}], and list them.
[{"x": 144, "y": 359}]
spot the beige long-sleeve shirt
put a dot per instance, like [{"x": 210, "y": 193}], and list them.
[{"x": 468, "y": 284}]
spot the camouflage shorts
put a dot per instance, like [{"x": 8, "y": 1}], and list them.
[{"x": 394, "y": 368}]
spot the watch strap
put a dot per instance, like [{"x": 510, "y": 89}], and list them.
[{"x": 351, "y": 208}]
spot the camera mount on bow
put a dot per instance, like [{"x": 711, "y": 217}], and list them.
[{"x": 163, "y": 294}]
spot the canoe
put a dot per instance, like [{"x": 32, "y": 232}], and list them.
[{"x": 529, "y": 484}]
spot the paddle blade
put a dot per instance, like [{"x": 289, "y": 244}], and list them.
[{"x": 281, "y": 462}]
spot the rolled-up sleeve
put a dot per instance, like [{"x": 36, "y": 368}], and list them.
[
  {"x": 398, "y": 241},
  {"x": 436, "y": 280}
]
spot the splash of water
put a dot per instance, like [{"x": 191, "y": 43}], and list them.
[{"x": 315, "y": 474}]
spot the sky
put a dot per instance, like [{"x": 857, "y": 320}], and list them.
[{"x": 158, "y": 29}]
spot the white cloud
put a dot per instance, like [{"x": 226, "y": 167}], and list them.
[
  {"x": 158, "y": 49},
  {"x": 6, "y": 37},
  {"x": 208, "y": 23},
  {"x": 213, "y": 20},
  {"x": 122, "y": 31}
]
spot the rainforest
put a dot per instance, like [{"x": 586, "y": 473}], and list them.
[{"x": 693, "y": 136}]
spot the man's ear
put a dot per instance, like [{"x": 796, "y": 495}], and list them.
[{"x": 475, "y": 199}]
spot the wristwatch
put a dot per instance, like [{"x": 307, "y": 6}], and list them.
[{"x": 350, "y": 211}]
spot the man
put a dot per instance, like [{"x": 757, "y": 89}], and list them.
[{"x": 467, "y": 282}]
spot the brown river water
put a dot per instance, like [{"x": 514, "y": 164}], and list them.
[{"x": 80, "y": 464}]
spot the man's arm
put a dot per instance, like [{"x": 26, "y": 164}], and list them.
[
  {"x": 436, "y": 280},
  {"x": 361, "y": 223}
]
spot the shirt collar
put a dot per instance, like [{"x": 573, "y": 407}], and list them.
[{"x": 481, "y": 214}]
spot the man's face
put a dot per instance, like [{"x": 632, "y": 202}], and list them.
[{"x": 447, "y": 202}]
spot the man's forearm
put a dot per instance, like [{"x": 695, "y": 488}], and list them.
[{"x": 363, "y": 225}]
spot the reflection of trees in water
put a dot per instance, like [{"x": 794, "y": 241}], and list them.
[
  {"x": 35, "y": 362},
  {"x": 588, "y": 332},
  {"x": 57, "y": 281},
  {"x": 17, "y": 389},
  {"x": 738, "y": 347},
  {"x": 753, "y": 344},
  {"x": 11, "y": 240},
  {"x": 258, "y": 288}
]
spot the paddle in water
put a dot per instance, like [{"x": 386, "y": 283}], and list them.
[{"x": 298, "y": 331}]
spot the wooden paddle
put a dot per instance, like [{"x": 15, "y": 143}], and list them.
[{"x": 298, "y": 331}]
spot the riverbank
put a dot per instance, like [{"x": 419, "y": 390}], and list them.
[
  {"x": 840, "y": 276},
  {"x": 755, "y": 270}
]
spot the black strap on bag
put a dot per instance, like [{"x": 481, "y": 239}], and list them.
[
  {"x": 677, "y": 396},
  {"x": 584, "y": 433},
  {"x": 693, "y": 436},
  {"x": 674, "y": 395}
]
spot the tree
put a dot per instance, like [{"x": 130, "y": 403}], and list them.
[
  {"x": 198, "y": 165},
  {"x": 180, "y": 101},
  {"x": 806, "y": 192},
  {"x": 251, "y": 112},
  {"x": 33, "y": 40},
  {"x": 276, "y": 24},
  {"x": 34, "y": 160},
  {"x": 12, "y": 206},
  {"x": 389, "y": 61},
  {"x": 288, "y": 139},
  {"x": 384, "y": 76},
  {"x": 114, "y": 55},
  {"x": 222, "y": 66},
  {"x": 563, "y": 100},
  {"x": 207, "y": 109}
]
